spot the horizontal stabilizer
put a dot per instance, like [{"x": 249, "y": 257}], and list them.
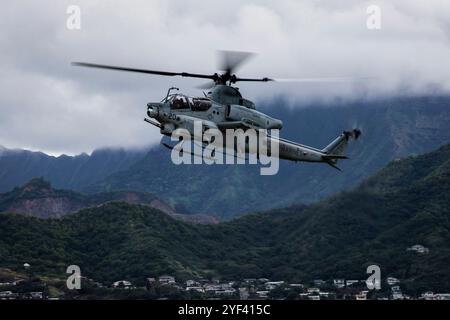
[
  {"x": 333, "y": 165},
  {"x": 333, "y": 157}
]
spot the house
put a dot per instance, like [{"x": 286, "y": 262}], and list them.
[
  {"x": 397, "y": 296},
  {"x": 211, "y": 288},
  {"x": 197, "y": 288},
  {"x": 339, "y": 283},
  {"x": 37, "y": 295},
  {"x": 166, "y": 280},
  {"x": 395, "y": 289},
  {"x": 151, "y": 281},
  {"x": 361, "y": 296},
  {"x": 418, "y": 248},
  {"x": 349, "y": 283},
  {"x": 5, "y": 294},
  {"x": 429, "y": 295},
  {"x": 313, "y": 290},
  {"x": 122, "y": 284},
  {"x": 315, "y": 297},
  {"x": 391, "y": 281},
  {"x": 262, "y": 294},
  {"x": 296, "y": 285},
  {"x": 6, "y": 284},
  {"x": 191, "y": 283},
  {"x": 227, "y": 292},
  {"x": 273, "y": 284},
  {"x": 319, "y": 283}
]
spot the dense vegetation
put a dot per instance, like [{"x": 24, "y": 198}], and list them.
[{"x": 406, "y": 203}]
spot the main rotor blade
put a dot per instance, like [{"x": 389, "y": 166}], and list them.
[
  {"x": 329, "y": 79},
  {"x": 161, "y": 73},
  {"x": 231, "y": 60},
  {"x": 253, "y": 79}
]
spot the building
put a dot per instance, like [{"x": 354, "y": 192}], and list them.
[
  {"x": 339, "y": 283},
  {"x": 36, "y": 295},
  {"x": 7, "y": 284},
  {"x": 197, "y": 289},
  {"x": 429, "y": 295},
  {"x": 166, "y": 280},
  {"x": 5, "y": 294},
  {"x": 226, "y": 292},
  {"x": 349, "y": 283},
  {"x": 192, "y": 283},
  {"x": 361, "y": 296},
  {"x": 418, "y": 248},
  {"x": 395, "y": 289},
  {"x": 122, "y": 284},
  {"x": 262, "y": 294},
  {"x": 273, "y": 284},
  {"x": 392, "y": 281},
  {"x": 397, "y": 296},
  {"x": 313, "y": 290},
  {"x": 319, "y": 283}
]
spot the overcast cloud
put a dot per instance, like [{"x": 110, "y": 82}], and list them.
[{"x": 45, "y": 104}]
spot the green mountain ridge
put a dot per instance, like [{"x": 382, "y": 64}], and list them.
[
  {"x": 406, "y": 203},
  {"x": 39, "y": 199}
]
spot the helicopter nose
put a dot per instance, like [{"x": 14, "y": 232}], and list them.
[{"x": 152, "y": 110}]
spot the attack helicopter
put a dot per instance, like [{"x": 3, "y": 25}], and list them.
[{"x": 223, "y": 107}]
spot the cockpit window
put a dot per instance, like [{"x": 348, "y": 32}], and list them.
[
  {"x": 200, "y": 104},
  {"x": 178, "y": 102}
]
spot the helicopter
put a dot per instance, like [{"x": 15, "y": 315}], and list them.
[{"x": 223, "y": 107}]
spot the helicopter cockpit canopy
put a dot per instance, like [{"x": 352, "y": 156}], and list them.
[
  {"x": 200, "y": 104},
  {"x": 179, "y": 101}
]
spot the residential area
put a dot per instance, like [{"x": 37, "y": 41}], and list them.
[{"x": 168, "y": 287}]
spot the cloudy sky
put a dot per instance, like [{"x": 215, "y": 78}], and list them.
[{"x": 48, "y": 105}]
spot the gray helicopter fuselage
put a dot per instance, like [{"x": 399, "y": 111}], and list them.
[{"x": 222, "y": 108}]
